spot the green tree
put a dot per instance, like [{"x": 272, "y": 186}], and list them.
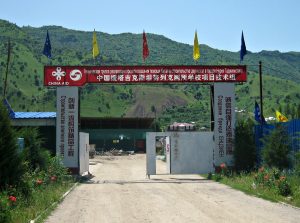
[
  {"x": 244, "y": 152},
  {"x": 276, "y": 148},
  {"x": 296, "y": 163},
  {"x": 11, "y": 168},
  {"x": 294, "y": 112},
  {"x": 280, "y": 108},
  {"x": 34, "y": 154},
  {"x": 287, "y": 109}
]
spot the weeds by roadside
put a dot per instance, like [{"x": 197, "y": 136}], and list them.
[
  {"x": 268, "y": 183},
  {"x": 36, "y": 191}
]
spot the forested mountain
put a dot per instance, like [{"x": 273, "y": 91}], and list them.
[{"x": 281, "y": 75}]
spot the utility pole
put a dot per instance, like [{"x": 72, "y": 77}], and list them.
[
  {"x": 260, "y": 89},
  {"x": 6, "y": 71}
]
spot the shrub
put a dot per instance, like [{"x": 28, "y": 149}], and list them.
[
  {"x": 11, "y": 168},
  {"x": 34, "y": 154},
  {"x": 224, "y": 171},
  {"x": 276, "y": 148},
  {"x": 57, "y": 169},
  {"x": 273, "y": 178},
  {"x": 244, "y": 152},
  {"x": 283, "y": 187},
  {"x": 297, "y": 163},
  {"x": 26, "y": 185},
  {"x": 5, "y": 215}
]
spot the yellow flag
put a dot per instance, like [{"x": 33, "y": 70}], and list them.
[
  {"x": 196, "y": 54},
  {"x": 95, "y": 45},
  {"x": 280, "y": 117}
]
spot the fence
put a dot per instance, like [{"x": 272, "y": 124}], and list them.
[{"x": 293, "y": 128}]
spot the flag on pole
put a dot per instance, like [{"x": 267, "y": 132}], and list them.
[
  {"x": 243, "y": 48},
  {"x": 257, "y": 115},
  {"x": 196, "y": 53},
  {"x": 280, "y": 117},
  {"x": 47, "y": 46},
  {"x": 145, "y": 46},
  {"x": 95, "y": 46}
]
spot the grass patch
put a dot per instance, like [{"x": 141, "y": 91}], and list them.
[
  {"x": 269, "y": 187},
  {"x": 42, "y": 197}
]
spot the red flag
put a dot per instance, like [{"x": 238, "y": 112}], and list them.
[{"x": 145, "y": 46}]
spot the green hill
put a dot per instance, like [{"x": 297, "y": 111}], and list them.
[{"x": 281, "y": 75}]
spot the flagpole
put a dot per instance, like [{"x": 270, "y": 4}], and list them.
[
  {"x": 7, "y": 66},
  {"x": 260, "y": 89},
  {"x": 144, "y": 62}
]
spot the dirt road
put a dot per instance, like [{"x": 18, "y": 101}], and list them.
[{"x": 120, "y": 192}]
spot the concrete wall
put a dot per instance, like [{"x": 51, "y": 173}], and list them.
[
  {"x": 151, "y": 153},
  {"x": 84, "y": 148},
  {"x": 190, "y": 152}
]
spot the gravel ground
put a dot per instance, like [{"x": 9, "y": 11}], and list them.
[{"x": 120, "y": 192}]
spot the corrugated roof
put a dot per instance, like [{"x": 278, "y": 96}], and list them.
[
  {"x": 24, "y": 115},
  {"x": 20, "y": 115}
]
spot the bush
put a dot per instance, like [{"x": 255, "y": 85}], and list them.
[
  {"x": 5, "y": 215},
  {"x": 273, "y": 178},
  {"x": 11, "y": 168},
  {"x": 34, "y": 154},
  {"x": 244, "y": 151},
  {"x": 283, "y": 187},
  {"x": 296, "y": 163},
  {"x": 276, "y": 148}
]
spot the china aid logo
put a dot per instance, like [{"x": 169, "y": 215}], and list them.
[{"x": 76, "y": 77}]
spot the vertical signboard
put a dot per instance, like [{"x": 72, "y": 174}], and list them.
[
  {"x": 67, "y": 126},
  {"x": 224, "y": 104}
]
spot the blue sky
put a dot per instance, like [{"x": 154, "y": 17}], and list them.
[{"x": 267, "y": 24}]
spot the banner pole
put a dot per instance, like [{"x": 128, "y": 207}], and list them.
[
  {"x": 7, "y": 67},
  {"x": 260, "y": 89}
]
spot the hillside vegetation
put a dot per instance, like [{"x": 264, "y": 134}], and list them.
[{"x": 281, "y": 75}]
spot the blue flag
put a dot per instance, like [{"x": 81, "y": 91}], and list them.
[
  {"x": 257, "y": 115},
  {"x": 243, "y": 51},
  {"x": 47, "y": 46}
]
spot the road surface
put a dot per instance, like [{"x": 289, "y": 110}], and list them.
[{"x": 120, "y": 192}]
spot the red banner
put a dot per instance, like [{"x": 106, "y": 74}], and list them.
[{"x": 80, "y": 75}]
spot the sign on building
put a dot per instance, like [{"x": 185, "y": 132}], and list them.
[
  {"x": 224, "y": 100},
  {"x": 81, "y": 75},
  {"x": 67, "y": 126}
]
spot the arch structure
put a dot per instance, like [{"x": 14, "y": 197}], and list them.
[{"x": 68, "y": 79}]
